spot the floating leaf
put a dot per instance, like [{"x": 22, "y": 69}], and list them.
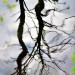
[
  {"x": 74, "y": 52},
  {"x": 1, "y": 19},
  {"x": 5, "y": 2},
  {"x": 73, "y": 58},
  {"x": 73, "y": 69},
  {"x": 12, "y": 6}
]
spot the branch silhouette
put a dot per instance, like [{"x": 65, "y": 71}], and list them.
[
  {"x": 38, "y": 8},
  {"x": 40, "y": 40},
  {"x": 19, "y": 35}
]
